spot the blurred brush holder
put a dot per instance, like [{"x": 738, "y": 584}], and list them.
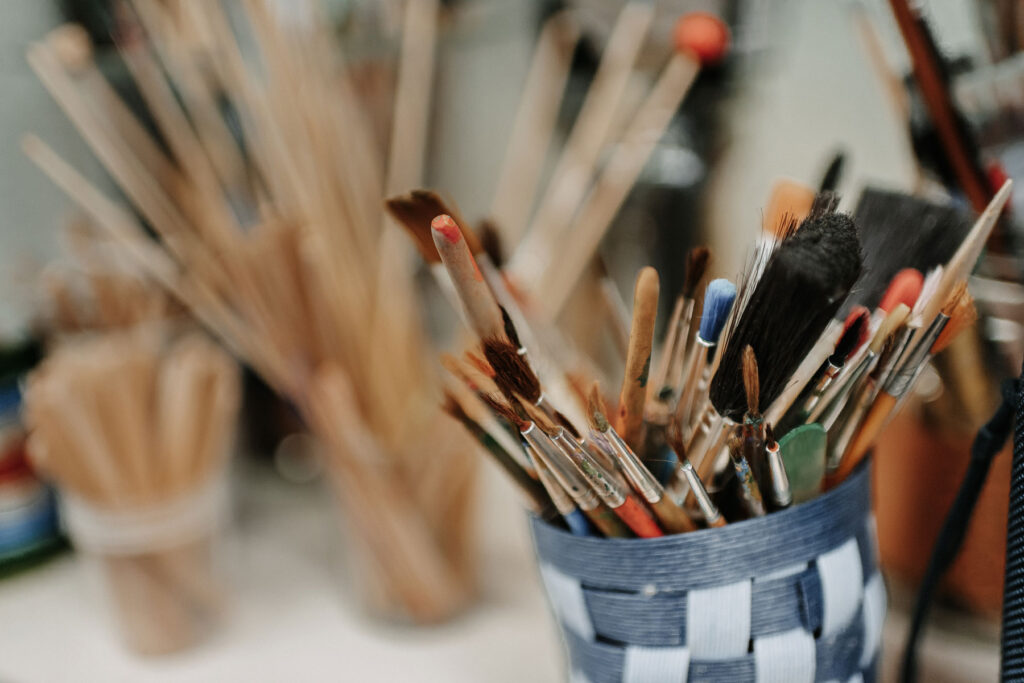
[
  {"x": 792, "y": 596},
  {"x": 157, "y": 563}
]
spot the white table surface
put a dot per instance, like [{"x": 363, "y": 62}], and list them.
[{"x": 291, "y": 617}]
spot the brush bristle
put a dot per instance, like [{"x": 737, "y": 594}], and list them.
[
  {"x": 900, "y": 231},
  {"x": 833, "y": 174},
  {"x": 696, "y": 265},
  {"x": 479, "y": 363},
  {"x": 769, "y": 434},
  {"x": 510, "y": 328},
  {"x": 511, "y": 371},
  {"x": 538, "y": 417},
  {"x": 962, "y": 314},
  {"x": 490, "y": 242},
  {"x": 825, "y": 203},
  {"x": 718, "y": 301},
  {"x": 504, "y": 410},
  {"x": 453, "y": 407},
  {"x": 803, "y": 285},
  {"x": 597, "y": 413},
  {"x": 853, "y": 336},
  {"x": 751, "y": 381},
  {"x": 415, "y": 211}
]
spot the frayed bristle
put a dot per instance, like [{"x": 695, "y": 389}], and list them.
[
  {"x": 751, "y": 381},
  {"x": 769, "y": 435},
  {"x": 962, "y": 314},
  {"x": 801, "y": 289},
  {"x": 490, "y": 242},
  {"x": 511, "y": 371},
  {"x": 597, "y": 412},
  {"x": 719, "y": 298},
  {"x": 854, "y": 334},
  {"x": 504, "y": 410},
  {"x": 562, "y": 420},
  {"x": 674, "y": 437},
  {"x": 697, "y": 260},
  {"x": 538, "y": 417}
]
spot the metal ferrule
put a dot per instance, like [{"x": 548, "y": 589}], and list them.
[
  {"x": 561, "y": 467},
  {"x": 703, "y": 498},
  {"x": 782, "y": 494},
  {"x": 902, "y": 379},
  {"x": 561, "y": 500},
  {"x": 889, "y": 361},
  {"x": 598, "y": 477},
  {"x": 638, "y": 475}
]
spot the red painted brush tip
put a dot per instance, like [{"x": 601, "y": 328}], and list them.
[
  {"x": 448, "y": 228},
  {"x": 904, "y": 288},
  {"x": 701, "y": 35},
  {"x": 862, "y": 314}
]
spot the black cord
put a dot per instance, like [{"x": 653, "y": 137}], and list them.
[
  {"x": 986, "y": 446},
  {"x": 1011, "y": 665}
]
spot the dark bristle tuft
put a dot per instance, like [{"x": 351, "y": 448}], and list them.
[
  {"x": 825, "y": 203},
  {"x": 751, "y": 382},
  {"x": 833, "y": 174},
  {"x": 803, "y": 284},
  {"x": 510, "y": 328},
  {"x": 453, "y": 408},
  {"x": 769, "y": 435},
  {"x": 849, "y": 340},
  {"x": 569, "y": 426},
  {"x": 696, "y": 265},
  {"x": 511, "y": 371},
  {"x": 900, "y": 231},
  {"x": 537, "y": 416},
  {"x": 490, "y": 242},
  {"x": 674, "y": 436}
]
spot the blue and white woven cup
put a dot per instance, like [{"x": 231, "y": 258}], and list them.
[{"x": 795, "y": 596}]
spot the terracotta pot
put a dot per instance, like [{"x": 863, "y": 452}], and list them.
[{"x": 917, "y": 473}]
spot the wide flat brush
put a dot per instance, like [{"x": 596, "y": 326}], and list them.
[{"x": 801, "y": 289}]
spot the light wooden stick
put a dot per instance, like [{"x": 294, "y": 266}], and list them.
[
  {"x": 534, "y": 125},
  {"x": 638, "y": 359}
]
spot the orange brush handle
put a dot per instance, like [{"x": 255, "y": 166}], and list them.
[
  {"x": 864, "y": 438},
  {"x": 638, "y": 519}
]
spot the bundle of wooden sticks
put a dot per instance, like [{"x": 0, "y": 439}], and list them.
[
  {"x": 689, "y": 444},
  {"x": 128, "y": 426},
  {"x": 264, "y": 191}
]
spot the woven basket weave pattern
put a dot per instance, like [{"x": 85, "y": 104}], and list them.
[{"x": 794, "y": 596}]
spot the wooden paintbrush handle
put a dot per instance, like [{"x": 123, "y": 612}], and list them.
[
  {"x": 672, "y": 517},
  {"x": 864, "y": 438},
  {"x": 638, "y": 358}
]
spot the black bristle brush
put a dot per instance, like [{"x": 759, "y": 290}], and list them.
[
  {"x": 899, "y": 231},
  {"x": 802, "y": 287}
]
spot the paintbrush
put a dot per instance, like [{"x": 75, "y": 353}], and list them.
[
  {"x": 554, "y": 460},
  {"x": 788, "y": 204},
  {"x": 668, "y": 378},
  {"x": 480, "y": 307},
  {"x": 718, "y": 303},
  {"x": 612, "y": 492},
  {"x": 855, "y": 335},
  {"x": 803, "y": 285},
  {"x": 957, "y": 314},
  {"x": 536, "y": 498},
  {"x": 741, "y": 443},
  {"x": 671, "y": 516},
  {"x": 687, "y": 480},
  {"x": 753, "y": 436},
  {"x": 781, "y": 493},
  {"x": 638, "y": 359}
]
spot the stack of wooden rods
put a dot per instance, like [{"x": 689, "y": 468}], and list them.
[{"x": 272, "y": 237}]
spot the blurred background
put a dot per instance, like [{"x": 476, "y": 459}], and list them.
[{"x": 805, "y": 81}]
